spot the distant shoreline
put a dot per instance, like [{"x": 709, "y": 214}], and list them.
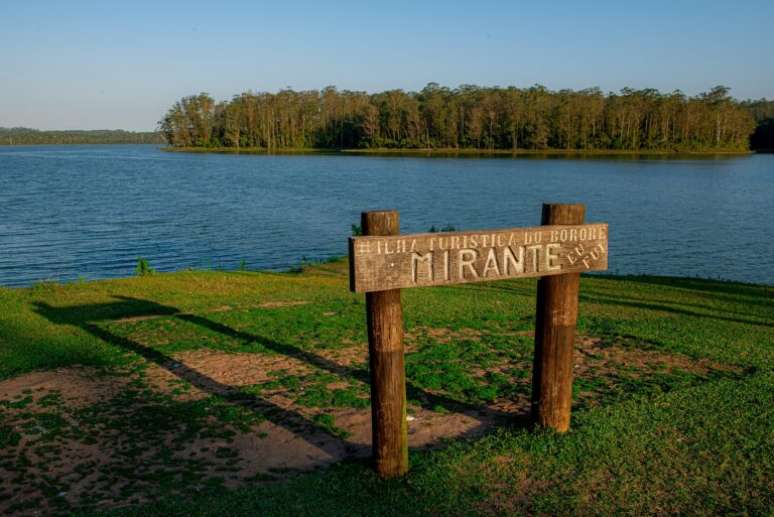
[
  {"x": 161, "y": 146},
  {"x": 453, "y": 152}
]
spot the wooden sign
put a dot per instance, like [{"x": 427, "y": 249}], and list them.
[
  {"x": 393, "y": 262},
  {"x": 382, "y": 262}
]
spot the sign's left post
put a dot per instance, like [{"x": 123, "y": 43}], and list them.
[{"x": 386, "y": 362}]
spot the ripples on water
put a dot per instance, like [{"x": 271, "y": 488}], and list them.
[{"x": 90, "y": 211}]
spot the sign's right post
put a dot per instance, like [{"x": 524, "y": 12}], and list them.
[{"x": 556, "y": 318}]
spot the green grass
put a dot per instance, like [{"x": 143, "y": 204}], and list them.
[
  {"x": 672, "y": 408},
  {"x": 705, "y": 450}
]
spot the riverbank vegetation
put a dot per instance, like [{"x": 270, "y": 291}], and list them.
[
  {"x": 27, "y": 136},
  {"x": 206, "y": 393},
  {"x": 763, "y": 112},
  {"x": 467, "y": 117},
  {"x": 442, "y": 152}
]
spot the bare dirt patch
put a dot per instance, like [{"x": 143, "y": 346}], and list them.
[
  {"x": 275, "y": 305},
  {"x": 215, "y": 310},
  {"x": 441, "y": 334},
  {"x": 210, "y": 371},
  {"x": 591, "y": 351},
  {"x": 78, "y": 386},
  {"x": 346, "y": 357},
  {"x": 117, "y": 453}
]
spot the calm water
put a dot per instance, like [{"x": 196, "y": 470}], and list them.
[{"x": 90, "y": 211}]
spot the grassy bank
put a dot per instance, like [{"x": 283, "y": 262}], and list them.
[
  {"x": 168, "y": 395},
  {"x": 701, "y": 451},
  {"x": 444, "y": 152}
]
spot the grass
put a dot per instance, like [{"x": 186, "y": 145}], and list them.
[
  {"x": 673, "y": 396},
  {"x": 705, "y": 450}
]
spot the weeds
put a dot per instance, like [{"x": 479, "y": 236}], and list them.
[{"x": 143, "y": 267}]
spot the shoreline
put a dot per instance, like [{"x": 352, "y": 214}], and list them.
[
  {"x": 451, "y": 152},
  {"x": 303, "y": 266},
  {"x": 158, "y": 144},
  {"x": 426, "y": 152}
]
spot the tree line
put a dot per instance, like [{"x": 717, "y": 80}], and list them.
[
  {"x": 467, "y": 117},
  {"x": 763, "y": 112},
  {"x": 27, "y": 136}
]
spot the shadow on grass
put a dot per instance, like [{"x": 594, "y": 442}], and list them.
[
  {"x": 87, "y": 317},
  {"x": 719, "y": 307},
  {"x": 677, "y": 307},
  {"x": 617, "y": 301},
  {"x": 699, "y": 284}
]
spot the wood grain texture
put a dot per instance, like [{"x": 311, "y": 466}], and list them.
[
  {"x": 379, "y": 263},
  {"x": 387, "y": 367},
  {"x": 557, "y": 314}
]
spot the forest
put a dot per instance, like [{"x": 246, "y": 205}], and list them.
[
  {"x": 763, "y": 112},
  {"x": 27, "y": 136},
  {"x": 467, "y": 117}
]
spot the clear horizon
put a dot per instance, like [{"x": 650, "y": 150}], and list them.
[{"x": 84, "y": 66}]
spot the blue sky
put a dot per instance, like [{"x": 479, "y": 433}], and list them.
[{"x": 104, "y": 64}]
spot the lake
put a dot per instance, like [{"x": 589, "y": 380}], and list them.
[{"x": 69, "y": 212}]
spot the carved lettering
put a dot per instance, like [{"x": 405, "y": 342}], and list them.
[
  {"x": 427, "y": 261},
  {"x": 380, "y": 263},
  {"x": 466, "y": 259},
  {"x": 552, "y": 257},
  {"x": 491, "y": 264},
  {"x": 511, "y": 260},
  {"x": 534, "y": 250}
]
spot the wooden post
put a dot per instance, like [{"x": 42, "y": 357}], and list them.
[
  {"x": 388, "y": 375},
  {"x": 557, "y": 314}
]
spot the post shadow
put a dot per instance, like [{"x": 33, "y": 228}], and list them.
[
  {"x": 428, "y": 400},
  {"x": 593, "y": 296},
  {"x": 607, "y": 300},
  {"x": 85, "y": 316}
]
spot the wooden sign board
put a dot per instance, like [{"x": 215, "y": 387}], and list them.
[{"x": 426, "y": 259}]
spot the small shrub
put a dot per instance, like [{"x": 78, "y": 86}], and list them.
[
  {"x": 357, "y": 230},
  {"x": 447, "y": 228},
  {"x": 143, "y": 267}
]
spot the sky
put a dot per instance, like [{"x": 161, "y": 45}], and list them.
[{"x": 120, "y": 65}]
